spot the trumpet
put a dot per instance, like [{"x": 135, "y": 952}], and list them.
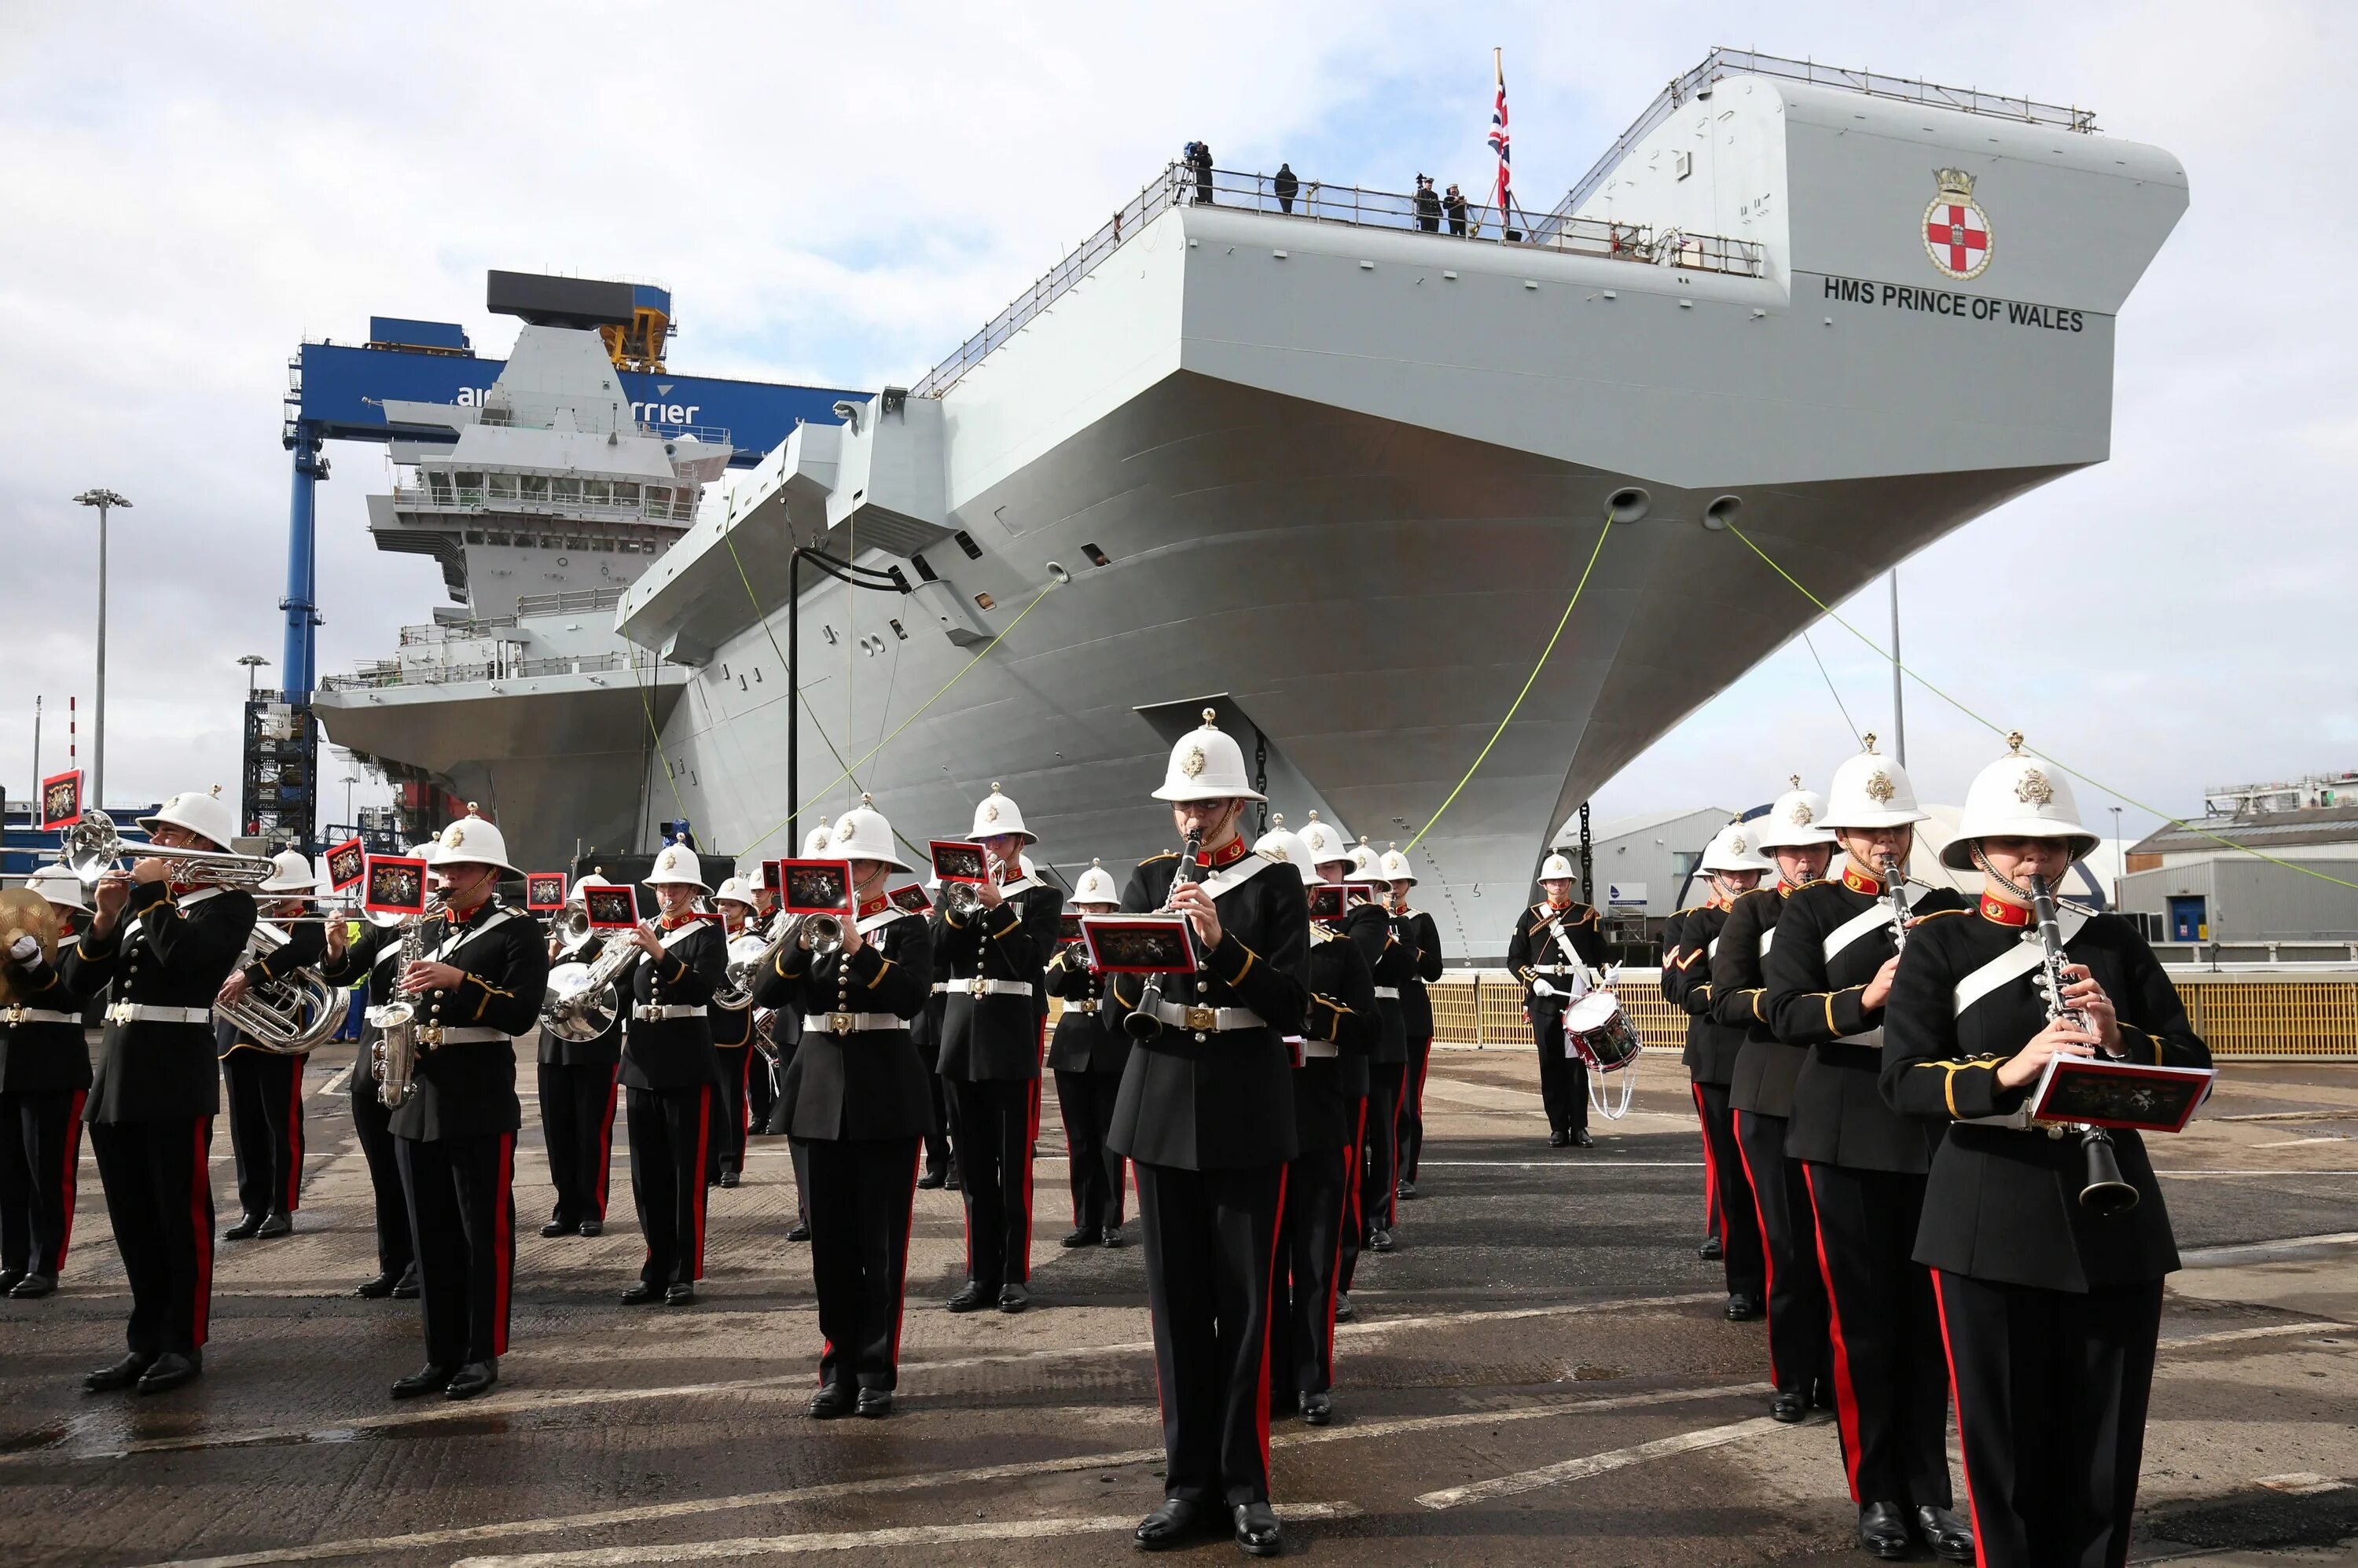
[
  {"x": 963, "y": 899},
  {"x": 287, "y": 1016},
  {"x": 91, "y": 847}
]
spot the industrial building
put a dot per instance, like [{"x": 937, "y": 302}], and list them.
[{"x": 2199, "y": 886}]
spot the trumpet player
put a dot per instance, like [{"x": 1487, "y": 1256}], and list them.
[
  {"x": 44, "y": 1083},
  {"x": 578, "y": 1089},
  {"x": 1088, "y": 1055},
  {"x": 731, "y": 1021},
  {"x": 2049, "y": 1309},
  {"x": 993, "y": 1028},
  {"x": 770, "y": 1048},
  {"x": 1329, "y": 852},
  {"x": 1826, "y": 980},
  {"x": 1556, "y": 943},
  {"x": 668, "y": 1076},
  {"x": 477, "y": 982},
  {"x": 167, "y": 945},
  {"x": 265, "y": 1088}
]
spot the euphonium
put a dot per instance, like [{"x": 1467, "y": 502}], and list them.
[
  {"x": 288, "y": 1015},
  {"x": 581, "y": 1002}
]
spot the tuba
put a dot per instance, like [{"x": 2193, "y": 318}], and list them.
[{"x": 287, "y": 1016}]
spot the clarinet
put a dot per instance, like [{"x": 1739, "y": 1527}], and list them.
[
  {"x": 1145, "y": 1021},
  {"x": 1895, "y": 891},
  {"x": 2105, "y": 1192}
]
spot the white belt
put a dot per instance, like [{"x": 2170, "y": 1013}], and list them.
[
  {"x": 1208, "y": 1020},
  {"x": 1080, "y": 1007},
  {"x": 849, "y": 1023},
  {"x": 433, "y": 1034},
  {"x": 982, "y": 988},
  {"x": 36, "y": 1015},
  {"x": 141, "y": 1013},
  {"x": 649, "y": 1012},
  {"x": 1388, "y": 993},
  {"x": 1536, "y": 970},
  {"x": 1315, "y": 1048}
]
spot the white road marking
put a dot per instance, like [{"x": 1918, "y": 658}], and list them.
[
  {"x": 1597, "y": 1464},
  {"x": 339, "y": 1082},
  {"x": 904, "y": 1535},
  {"x": 2265, "y": 1331},
  {"x": 2204, "y": 1256}
]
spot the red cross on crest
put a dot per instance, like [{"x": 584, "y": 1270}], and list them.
[{"x": 1956, "y": 230}]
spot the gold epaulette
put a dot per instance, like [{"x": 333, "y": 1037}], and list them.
[
  {"x": 1166, "y": 855},
  {"x": 1936, "y": 913}
]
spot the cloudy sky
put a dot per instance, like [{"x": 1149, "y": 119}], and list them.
[{"x": 839, "y": 194}]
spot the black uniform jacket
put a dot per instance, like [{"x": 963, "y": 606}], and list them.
[
  {"x": 1421, "y": 939},
  {"x": 165, "y": 953},
  {"x": 996, "y": 1037},
  {"x": 1815, "y": 1002},
  {"x": 47, "y": 1056},
  {"x": 868, "y": 1084},
  {"x": 675, "y": 1053},
  {"x": 1091, "y": 1040},
  {"x": 1687, "y": 944},
  {"x": 2004, "y": 1203},
  {"x": 305, "y": 944},
  {"x": 1369, "y": 929},
  {"x": 1327, "y": 1090},
  {"x": 1224, "y": 1101},
  {"x": 1534, "y": 953},
  {"x": 601, "y": 1050},
  {"x": 466, "y": 1088},
  {"x": 925, "y": 1028},
  {"x": 1762, "y": 1080}
]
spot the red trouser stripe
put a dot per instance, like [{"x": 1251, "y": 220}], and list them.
[
  {"x": 1269, "y": 1297},
  {"x": 1334, "y": 1272},
  {"x": 1845, "y": 1393},
  {"x": 744, "y": 1096},
  {"x": 1768, "y": 1252},
  {"x": 503, "y": 1244},
  {"x": 1710, "y": 1174},
  {"x": 1018, "y": 1267},
  {"x": 1957, "y": 1399},
  {"x": 908, "y": 1225},
  {"x": 68, "y": 1178},
  {"x": 695, "y": 1175},
  {"x": 201, "y": 1217},
  {"x": 606, "y": 1139},
  {"x": 292, "y": 1198}
]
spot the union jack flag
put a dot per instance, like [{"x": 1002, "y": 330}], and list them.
[{"x": 1499, "y": 138}]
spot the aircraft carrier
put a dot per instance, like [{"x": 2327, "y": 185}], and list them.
[{"x": 1338, "y": 475}]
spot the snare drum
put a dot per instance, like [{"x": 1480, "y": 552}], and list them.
[{"x": 1597, "y": 1031}]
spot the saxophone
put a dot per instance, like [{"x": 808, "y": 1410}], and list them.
[{"x": 394, "y": 1056}]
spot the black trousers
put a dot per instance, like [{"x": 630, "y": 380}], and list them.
[
  {"x": 265, "y": 1129},
  {"x": 1097, "y": 1174},
  {"x": 668, "y": 1131},
  {"x": 761, "y": 1089},
  {"x": 372, "y": 1122},
  {"x": 1318, "y": 1185},
  {"x": 2051, "y": 1390},
  {"x": 1379, "y": 1137},
  {"x": 997, "y": 1122},
  {"x": 725, "y": 1142},
  {"x": 1735, "y": 1218},
  {"x": 861, "y": 1195},
  {"x": 1891, "y": 1395},
  {"x": 940, "y": 1154},
  {"x": 1355, "y": 1218},
  {"x": 1211, "y": 1251},
  {"x": 1564, "y": 1080},
  {"x": 159, "y": 1199},
  {"x": 40, "y": 1155},
  {"x": 1411, "y": 1106},
  {"x": 1797, "y": 1291},
  {"x": 577, "y": 1122},
  {"x": 461, "y": 1194}
]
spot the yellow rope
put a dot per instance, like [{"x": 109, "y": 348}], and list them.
[
  {"x": 2001, "y": 731},
  {"x": 656, "y": 735},
  {"x": 1531, "y": 680},
  {"x": 762, "y": 617}
]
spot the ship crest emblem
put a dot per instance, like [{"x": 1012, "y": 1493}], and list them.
[
  {"x": 1878, "y": 787},
  {"x": 2032, "y": 788},
  {"x": 1192, "y": 764},
  {"x": 1956, "y": 229}
]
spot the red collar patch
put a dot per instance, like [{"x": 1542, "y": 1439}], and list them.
[
  {"x": 1859, "y": 881},
  {"x": 1221, "y": 859},
  {"x": 2000, "y": 912},
  {"x": 876, "y": 905}
]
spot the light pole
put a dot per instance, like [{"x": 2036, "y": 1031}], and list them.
[
  {"x": 2120, "y": 860},
  {"x": 350, "y": 780},
  {"x": 252, "y": 662},
  {"x": 102, "y": 499}
]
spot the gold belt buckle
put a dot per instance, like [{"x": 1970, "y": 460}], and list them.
[
  {"x": 430, "y": 1034},
  {"x": 15, "y": 1013},
  {"x": 120, "y": 1013},
  {"x": 1203, "y": 1018},
  {"x": 978, "y": 987},
  {"x": 841, "y": 1022}
]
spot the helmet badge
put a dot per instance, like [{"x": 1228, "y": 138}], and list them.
[
  {"x": 1801, "y": 815},
  {"x": 2032, "y": 788},
  {"x": 1735, "y": 843},
  {"x": 843, "y": 828},
  {"x": 1192, "y": 764},
  {"x": 1878, "y": 787}
]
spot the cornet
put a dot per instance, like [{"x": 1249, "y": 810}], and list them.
[
  {"x": 963, "y": 899},
  {"x": 91, "y": 847}
]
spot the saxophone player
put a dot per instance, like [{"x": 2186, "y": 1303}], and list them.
[
  {"x": 44, "y": 1083},
  {"x": 576, "y": 1082},
  {"x": 265, "y": 1088},
  {"x": 668, "y": 1076},
  {"x": 2049, "y": 1309},
  {"x": 732, "y": 1048}
]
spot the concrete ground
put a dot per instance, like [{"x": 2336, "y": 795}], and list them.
[{"x": 1540, "y": 1374}]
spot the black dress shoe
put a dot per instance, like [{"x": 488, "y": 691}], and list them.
[
  {"x": 1257, "y": 1532},
  {"x": 950, "y": 1179},
  {"x": 171, "y": 1370},
  {"x": 122, "y": 1375},
  {"x": 1082, "y": 1236},
  {"x": 405, "y": 1289},
  {"x": 931, "y": 1181},
  {"x": 32, "y": 1288},
  {"x": 9, "y": 1278},
  {"x": 1113, "y": 1237},
  {"x": 425, "y": 1380},
  {"x": 1013, "y": 1299},
  {"x": 972, "y": 1299},
  {"x": 377, "y": 1289},
  {"x": 280, "y": 1224},
  {"x": 1710, "y": 1252},
  {"x": 1406, "y": 1190},
  {"x": 645, "y": 1292},
  {"x": 1883, "y": 1530},
  {"x": 1741, "y": 1308},
  {"x": 874, "y": 1403},
  {"x": 800, "y": 1232},
  {"x": 1379, "y": 1240},
  {"x": 682, "y": 1294},
  {"x": 593, "y": 1228},
  {"x": 728, "y": 1175},
  {"x": 243, "y": 1230},
  {"x": 833, "y": 1401},
  {"x": 1948, "y": 1535},
  {"x": 1317, "y": 1408},
  {"x": 1557, "y": 1139},
  {"x": 1169, "y": 1525},
  {"x": 559, "y": 1227},
  {"x": 471, "y": 1380},
  {"x": 1822, "y": 1394},
  {"x": 1344, "y": 1311},
  {"x": 1789, "y": 1405},
  {"x": 1580, "y": 1140}
]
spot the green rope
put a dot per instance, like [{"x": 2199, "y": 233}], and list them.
[
  {"x": 762, "y": 617},
  {"x": 656, "y": 736}
]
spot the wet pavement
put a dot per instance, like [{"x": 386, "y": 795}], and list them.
[{"x": 1540, "y": 1373}]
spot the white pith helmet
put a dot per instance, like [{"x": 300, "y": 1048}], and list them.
[
  {"x": 862, "y": 833},
  {"x": 471, "y": 841},
  {"x": 1207, "y": 764},
  {"x": 995, "y": 813},
  {"x": 1286, "y": 848},
  {"x": 60, "y": 886},
  {"x": 1736, "y": 847},
  {"x": 677, "y": 864},
  {"x": 294, "y": 874},
  {"x": 420, "y": 852},
  {"x": 1395, "y": 866},
  {"x": 206, "y": 815},
  {"x": 1555, "y": 868},
  {"x": 594, "y": 880},
  {"x": 1365, "y": 862},
  {"x": 2017, "y": 798},
  {"x": 819, "y": 841},
  {"x": 1324, "y": 841},
  {"x": 737, "y": 888},
  {"x": 1792, "y": 822},
  {"x": 1096, "y": 886},
  {"x": 1871, "y": 791}
]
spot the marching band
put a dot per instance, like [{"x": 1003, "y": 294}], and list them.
[{"x": 1882, "y": 1071}]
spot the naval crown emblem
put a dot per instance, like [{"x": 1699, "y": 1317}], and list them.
[
  {"x": 2032, "y": 788},
  {"x": 1878, "y": 787},
  {"x": 1956, "y": 229}
]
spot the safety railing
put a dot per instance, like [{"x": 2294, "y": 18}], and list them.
[
  {"x": 583, "y": 601},
  {"x": 380, "y": 673},
  {"x": 581, "y": 499},
  {"x": 1311, "y": 200},
  {"x": 542, "y": 417}
]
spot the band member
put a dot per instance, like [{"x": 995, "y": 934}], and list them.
[
  {"x": 2049, "y": 1309},
  {"x": 859, "y": 1105},
  {"x": 1556, "y": 946},
  {"x": 732, "y": 1048},
  {"x": 167, "y": 945},
  {"x": 786, "y": 1032},
  {"x": 1420, "y": 939},
  {"x": 579, "y": 1083},
  {"x": 991, "y": 1029},
  {"x": 1393, "y": 966},
  {"x": 477, "y": 980},
  {"x": 1734, "y": 865},
  {"x": 265, "y": 1088},
  {"x": 1339, "y": 1028},
  {"x": 925, "y": 1031},
  {"x": 1205, "y": 1114},
  {"x": 374, "y": 956},
  {"x": 1760, "y": 1094},
  {"x": 1087, "y": 1055},
  {"x": 44, "y": 1083},
  {"x": 1332, "y": 859},
  {"x": 1827, "y": 979},
  {"x": 761, "y": 1077},
  {"x": 669, "y": 1078}
]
